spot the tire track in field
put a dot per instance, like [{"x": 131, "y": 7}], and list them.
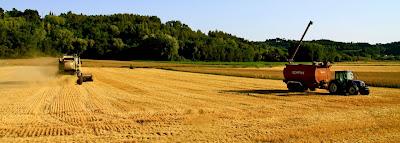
[
  {"x": 119, "y": 79},
  {"x": 164, "y": 94},
  {"x": 174, "y": 120},
  {"x": 32, "y": 120},
  {"x": 146, "y": 95},
  {"x": 140, "y": 119},
  {"x": 167, "y": 89}
]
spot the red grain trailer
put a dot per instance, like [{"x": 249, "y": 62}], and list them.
[{"x": 303, "y": 77}]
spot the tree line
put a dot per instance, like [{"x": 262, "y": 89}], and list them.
[{"x": 136, "y": 37}]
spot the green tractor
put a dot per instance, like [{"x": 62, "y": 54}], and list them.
[{"x": 344, "y": 83}]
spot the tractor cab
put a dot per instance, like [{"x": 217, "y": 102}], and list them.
[
  {"x": 344, "y": 76},
  {"x": 344, "y": 82}
]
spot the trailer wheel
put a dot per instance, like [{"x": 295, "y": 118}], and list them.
[
  {"x": 304, "y": 89},
  {"x": 296, "y": 87},
  {"x": 333, "y": 87},
  {"x": 353, "y": 89},
  {"x": 291, "y": 87}
]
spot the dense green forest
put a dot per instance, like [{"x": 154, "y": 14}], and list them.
[{"x": 136, "y": 37}]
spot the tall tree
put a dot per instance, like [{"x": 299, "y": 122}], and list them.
[
  {"x": 31, "y": 15},
  {"x": 130, "y": 36},
  {"x": 1, "y": 12}
]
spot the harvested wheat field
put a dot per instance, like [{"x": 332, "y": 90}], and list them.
[{"x": 153, "y": 105}]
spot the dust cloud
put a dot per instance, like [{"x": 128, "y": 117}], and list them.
[{"x": 25, "y": 72}]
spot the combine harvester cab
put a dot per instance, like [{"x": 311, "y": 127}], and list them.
[
  {"x": 68, "y": 64},
  {"x": 72, "y": 65}
]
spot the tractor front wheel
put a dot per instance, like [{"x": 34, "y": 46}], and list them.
[
  {"x": 333, "y": 87},
  {"x": 353, "y": 89}
]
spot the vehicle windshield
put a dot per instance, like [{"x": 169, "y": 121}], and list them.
[{"x": 350, "y": 76}]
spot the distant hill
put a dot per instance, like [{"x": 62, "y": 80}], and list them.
[{"x": 136, "y": 37}]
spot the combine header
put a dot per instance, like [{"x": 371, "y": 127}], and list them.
[
  {"x": 299, "y": 77},
  {"x": 72, "y": 65}
]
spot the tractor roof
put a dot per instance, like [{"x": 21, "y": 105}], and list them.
[{"x": 65, "y": 56}]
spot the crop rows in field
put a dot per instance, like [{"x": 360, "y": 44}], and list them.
[{"x": 152, "y": 105}]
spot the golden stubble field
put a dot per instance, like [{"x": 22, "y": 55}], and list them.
[
  {"x": 154, "y": 105},
  {"x": 379, "y": 74}
]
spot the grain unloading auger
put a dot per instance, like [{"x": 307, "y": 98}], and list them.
[
  {"x": 299, "y": 77},
  {"x": 72, "y": 65}
]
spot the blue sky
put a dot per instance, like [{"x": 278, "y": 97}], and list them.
[{"x": 373, "y": 21}]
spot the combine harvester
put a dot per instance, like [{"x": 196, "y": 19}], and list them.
[
  {"x": 72, "y": 65},
  {"x": 300, "y": 78}
]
